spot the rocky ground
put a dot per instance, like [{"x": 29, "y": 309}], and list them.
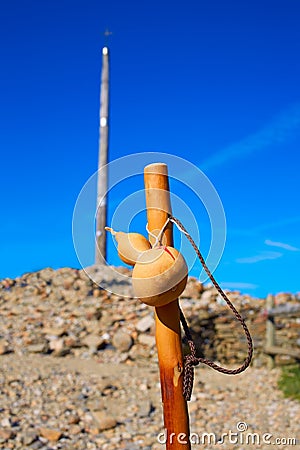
[
  {"x": 50, "y": 403},
  {"x": 79, "y": 371}
]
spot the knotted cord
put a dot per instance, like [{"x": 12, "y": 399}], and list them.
[{"x": 191, "y": 360}]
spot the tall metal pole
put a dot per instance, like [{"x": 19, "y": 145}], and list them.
[{"x": 100, "y": 250}]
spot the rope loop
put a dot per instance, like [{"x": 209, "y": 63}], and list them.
[
  {"x": 191, "y": 360},
  {"x": 159, "y": 236}
]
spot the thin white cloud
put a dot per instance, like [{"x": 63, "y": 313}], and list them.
[
  {"x": 238, "y": 285},
  {"x": 281, "y": 129},
  {"x": 281, "y": 245},
  {"x": 265, "y": 227},
  {"x": 262, "y": 256}
]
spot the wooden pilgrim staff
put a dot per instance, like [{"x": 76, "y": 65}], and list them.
[{"x": 168, "y": 335}]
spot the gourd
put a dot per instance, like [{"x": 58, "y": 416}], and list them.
[
  {"x": 159, "y": 276},
  {"x": 130, "y": 245}
]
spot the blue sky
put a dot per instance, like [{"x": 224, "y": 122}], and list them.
[{"x": 216, "y": 83}]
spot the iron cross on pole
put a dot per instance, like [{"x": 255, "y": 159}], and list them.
[{"x": 107, "y": 33}]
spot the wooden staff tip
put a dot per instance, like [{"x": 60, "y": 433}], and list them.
[{"x": 157, "y": 168}]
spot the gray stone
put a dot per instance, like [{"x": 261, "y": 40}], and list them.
[
  {"x": 94, "y": 342},
  {"x": 122, "y": 341},
  {"x": 104, "y": 421},
  {"x": 59, "y": 348},
  {"x": 146, "y": 339},
  {"x": 208, "y": 295},
  {"x": 4, "y": 347},
  {"x": 145, "y": 408},
  {"x": 5, "y": 422},
  {"x": 145, "y": 323},
  {"x": 29, "y": 437},
  {"x": 37, "y": 445},
  {"x": 37, "y": 348},
  {"x": 52, "y": 331}
]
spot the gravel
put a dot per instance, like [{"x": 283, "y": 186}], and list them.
[
  {"x": 79, "y": 368},
  {"x": 68, "y": 403}
]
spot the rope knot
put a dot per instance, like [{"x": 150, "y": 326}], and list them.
[
  {"x": 188, "y": 377},
  {"x": 191, "y": 360}
]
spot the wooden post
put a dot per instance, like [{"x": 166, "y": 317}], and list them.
[
  {"x": 270, "y": 332},
  {"x": 168, "y": 335},
  {"x": 100, "y": 250}
]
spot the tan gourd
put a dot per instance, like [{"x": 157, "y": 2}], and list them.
[
  {"x": 159, "y": 276},
  {"x": 130, "y": 245}
]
